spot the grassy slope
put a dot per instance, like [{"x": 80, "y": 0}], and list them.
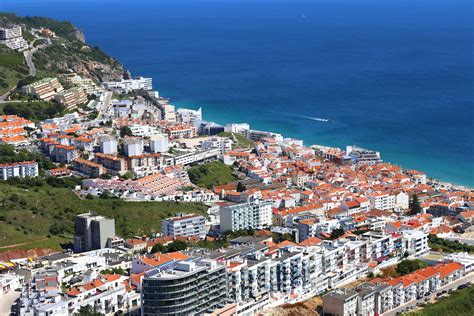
[
  {"x": 29, "y": 218},
  {"x": 242, "y": 142},
  {"x": 460, "y": 303},
  {"x": 12, "y": 68},
  {"x": 211, "y": 174}
]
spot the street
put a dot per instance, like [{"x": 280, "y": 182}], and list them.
[
  {"x": 105, "y": 104},
  {"x": 467, "y": 278}
]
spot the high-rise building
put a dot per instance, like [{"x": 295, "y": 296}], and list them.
[
  {"x": 255, "y": 214},
  {"x": 92, "y": 232},
  {"x": 187, "y": 287},
  {"x": 183, "y": 224}
]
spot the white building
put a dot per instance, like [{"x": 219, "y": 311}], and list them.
[
  {"x": 144, "y": 130},
  {"x": 189, "y": 116},
  {"x": 255, "y": 214},
  {"x": 187, "y": 225},
  {"x": 128, "y": 85},
  {"x": 159, "y": 143},
  {"x": 133, "y": 146},
  {"x": 108, "y": 145},
  {"x": 416, "y": 242},
  {"x": 12, "y": 38},
  {"x": 18, "y": 169},
  {"x": 240, "y": 128}
]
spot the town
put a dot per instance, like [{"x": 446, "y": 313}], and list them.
[{"x": 283, "y": 223}]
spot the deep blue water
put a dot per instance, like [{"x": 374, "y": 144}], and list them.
[{"x": 396, "y": 76}]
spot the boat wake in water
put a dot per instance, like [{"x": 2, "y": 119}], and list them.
[{"x": 318, "y": 119}]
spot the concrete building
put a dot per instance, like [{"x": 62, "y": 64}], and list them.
[
  {"x": 159, "y": 143},
  {"x": 7, "y": 33},
  {"x": 362, "y": 156},
  {"x": 12, "y": 38},
  {"x": 45, "y": 89},
  {"x": 187, "y": 225},
  {"x": 92, "y": 232},
  {"x": 188, "y": 116},
  {"x": 342, "y": 302},
  {"x": 71, "y": 97},
  {"x": 125, "y": 86},
  {"x": 113, "y": 165},
  {"x": 255, "y": 214},
  {"x": 184, "y": 287},
  {"x": 133, "y": 146},
  {"x": 108, "y": 145},
  {"x": 24, "y": 169},
  {"x": 241, "y": 129}
]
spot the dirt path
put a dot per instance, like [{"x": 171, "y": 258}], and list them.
[{"x": 22, "y": 244}]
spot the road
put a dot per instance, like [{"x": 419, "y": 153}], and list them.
[
  {"x": 106, "y": 103},
  {"x": 29, "y": 61},
  {"x": 467, "y": 278}
]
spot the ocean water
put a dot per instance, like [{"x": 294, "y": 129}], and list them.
[{"x": 392, "y": 75}]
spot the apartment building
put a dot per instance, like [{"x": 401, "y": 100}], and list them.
[
  {"x": 133, "y": 146},
  {"x": 88, "y": 168},
  {"x": 71, "y": 97},
  {"x": 92, "y": 232},
  {"x": 362, "y": 156},
  {"x": 73, "y": 79},
  {"x": 146, "y": 164},
  {"x": 415, "y": 242},
  {"x": 181, "y": 131},
  {"x": 12, "y": 37},
  {"x": 241, "y": 129},
  {"x": 196, "y": 156},
  {"x": 108, "y": 145},
  {"x": 341, "y": 302},
  {"x": 255, "y": 214},
  {"x": 113, "y": 165},
  {"x": 45, "y": 89},
  {"x": 187, "y": 225},
  {"x": 159, "y": 143},
  {"x": 24, "y": 169},
  {"x": 7, "y": 33},
  {"x": 184, "y": 287},
  {"x": 125, "y": 86}
]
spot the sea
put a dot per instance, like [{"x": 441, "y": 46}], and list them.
[{"x": 391, "y": 75}]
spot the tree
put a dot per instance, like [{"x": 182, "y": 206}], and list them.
[
  {"x": 337, "y": 233},
  {"x": 177, "y": 245},
  {"x": 87, "y": 311},
  {"x": 415, "y": 207},
  {"x": 158, "y": 248},
  {"x": 407, "y": 266},
  {"x": 125, "y": 131},
  {"x": 240, "y": 187}
]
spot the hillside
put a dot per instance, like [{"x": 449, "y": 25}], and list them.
[
  {"x": 239, "y": 140},
  {"x": 43, "y": 215},
  {"x": 67, "y": 51},
  {"x": 210, "y": 174}
]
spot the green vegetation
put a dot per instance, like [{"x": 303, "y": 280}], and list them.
[
  {"x": 61, "y": 28},
  {"x": 415, "y": 207},
  {"x": 43, "y": 215},
  {"x": 211, "y": 174},
  {"x": 444, "y": 245},
  {"x": 239, "y": 140},
  {"x": 9, "y": 155},
  {"x": 407, "y": 266},
  {"x": 67, "y": 51},
  {"x": 33, "y": 110},
  {"x": 12, "y": 68},
  {"x": 459, "y": 303},
  {"x": 177, "y": 245},
  {"x": 114, "y": 271}
]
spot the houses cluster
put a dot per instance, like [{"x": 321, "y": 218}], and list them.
[{"x": 381, "y": 296}]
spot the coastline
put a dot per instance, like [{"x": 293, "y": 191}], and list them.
[{"x": 181, "y": 82}]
